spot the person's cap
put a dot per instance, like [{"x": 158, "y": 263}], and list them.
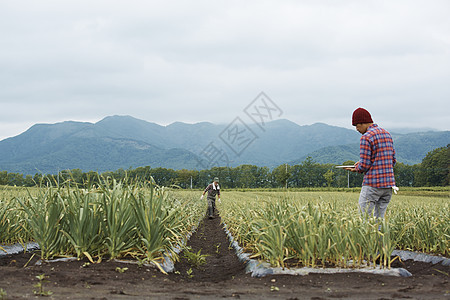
[
  {"x": 216, "y": 179},
  {"x": 360, "y": 115}
]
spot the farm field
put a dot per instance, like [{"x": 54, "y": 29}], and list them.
[
  {"x": 325, "y": 228},
  {"x": 293, "y": 229}
]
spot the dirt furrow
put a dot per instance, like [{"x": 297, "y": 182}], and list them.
[{"x": 210, "y": 243}]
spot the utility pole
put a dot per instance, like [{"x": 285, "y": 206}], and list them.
[
  {"x": 348, "y": 179},
  {"x": 286, "y": 176},
  {"x": 191, "y": 182}
]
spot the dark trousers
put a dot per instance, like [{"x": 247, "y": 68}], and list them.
[{"x": 211, "y": 206}]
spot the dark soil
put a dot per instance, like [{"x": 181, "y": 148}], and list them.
[{"x": 223, "y": 276}]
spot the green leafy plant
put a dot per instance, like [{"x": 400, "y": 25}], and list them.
[
  {"x": 121, "y": 270},
  {"x": 40, "y": 286},
  {"x": 157, "y": 223},
  {"x": 82, "y": 222},
  {"x": 43, "y": 215},
  {"x": 189, "y": 273},
  {"x": 2, "y": 294},
  {"x": 120, "y": 225},
  {"x": 195, "y": 259}
]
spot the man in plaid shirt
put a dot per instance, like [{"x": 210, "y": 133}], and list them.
[{"x": 376, "y": 161}]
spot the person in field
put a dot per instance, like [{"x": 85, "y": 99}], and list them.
[
  {"x": 376, "y": 162},
  {"x": 212, "y": 189}
]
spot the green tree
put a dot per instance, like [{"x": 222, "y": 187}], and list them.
[
  {"x": 329, "y": 177},
  {"x": 281, "y": 175},
  {"x": 15, "y": 179},
  {"x": 119, "y": 174},
  {"x": 38, "y": 178},
  {"x": 140, "y": 173},
  {"x": 28, "y": 181},
  {"x": 3, "y": 178},
  {"x": 404, "y": 174},
  {"x": 434, "y": 169},
  {"x": 263, "y": 177},
  {"x": 297, "y": 174},
  {"x": 311, "y": 173},
  {"x": 246, "y": 175},
  {"x": 184, "y": 177},
  {"x": 77, "y": 176},
  {"x": 163, "y": 176},
  {"x": 223, "y": 173}
]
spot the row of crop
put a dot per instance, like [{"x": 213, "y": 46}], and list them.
[
  {"x": 329, "y": 232},
  {"x": 112, "y": 220},
  {"x": 425, "y": 224}
]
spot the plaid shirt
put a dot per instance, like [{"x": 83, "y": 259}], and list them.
[{"x": 377, "y": 158}]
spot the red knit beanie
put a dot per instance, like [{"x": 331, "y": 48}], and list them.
[{"x": 360, "y": 115}]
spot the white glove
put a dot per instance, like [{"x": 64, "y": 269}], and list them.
[
  {"x": 201, "y": 198},
  {"x": 395, "y": 189},
  {"x": 219, "y": 200}
]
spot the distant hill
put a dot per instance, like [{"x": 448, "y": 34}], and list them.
[
  {"x": 410, "y": 148},
  {"x": 49, "y": 149},
  {"x": 123, "y": 142},
  {"x": 405, "y": 130}
]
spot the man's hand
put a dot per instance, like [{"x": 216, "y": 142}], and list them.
[
  {"x": 352, "y": 169},
  {"x": 219, "y": 200},
  {"x": 201, "y": 198}
]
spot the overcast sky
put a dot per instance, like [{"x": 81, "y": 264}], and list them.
[{"x": 193, "y": 61}]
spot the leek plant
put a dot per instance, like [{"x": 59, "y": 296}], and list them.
[
  {"x": 424, "y": 228},
  {"x": 157, "y": 224},
  {"x": 8, "y": 227},
  {"x": 43, "y": 215},
  {"x": 119, "y": 228},
  {"x": 10, "y": 220},
  {"x": 82, "y": 222},
  {"x": 317, "y": 229},
  {"x": 321, "y": 230},
  {"x": 115, "y": 219}
]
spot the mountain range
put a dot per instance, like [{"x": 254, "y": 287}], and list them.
[{"x": 126, "y": 142}]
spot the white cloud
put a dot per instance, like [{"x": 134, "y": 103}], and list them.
[{"x": 205, "y": 60}]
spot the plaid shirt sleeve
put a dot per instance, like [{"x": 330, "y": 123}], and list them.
[
  {"x": 377, "y": 158},
  {"x": 365, "y": 155}
]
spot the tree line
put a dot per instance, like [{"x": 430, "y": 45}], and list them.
[{"x": 432, "y": 171}]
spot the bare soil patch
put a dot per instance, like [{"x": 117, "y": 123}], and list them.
[{"x": 223, "y": 276}]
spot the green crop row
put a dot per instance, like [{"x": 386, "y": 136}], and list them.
[
  {"x": 327, "y": 229},
  {"x": 318, "y": 229},
  {"x": 112, "y": 220}
]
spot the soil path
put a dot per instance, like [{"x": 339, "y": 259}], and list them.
[
  {"x": 221, "y": 262},
  {"x": 222, "y": 277}
]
